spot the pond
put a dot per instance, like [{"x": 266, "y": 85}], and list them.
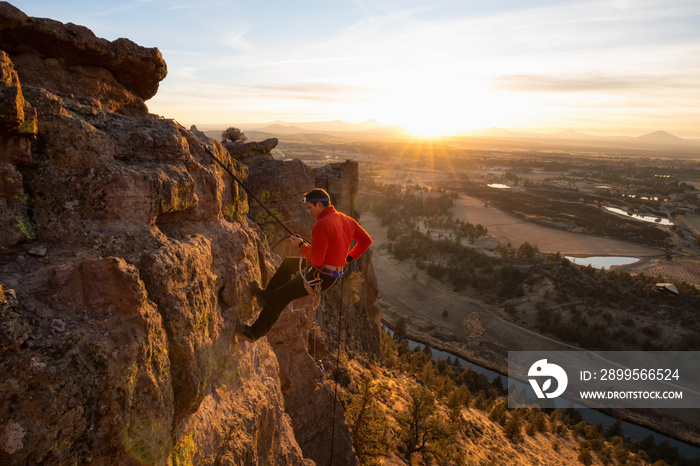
[
  {"x": 599, "y": 262},
  {"x": 643, "y": 218},
  {"x": 498, "y": 186}
]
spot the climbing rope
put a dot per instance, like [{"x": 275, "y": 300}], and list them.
[
  {"x": 206, "y": 149},
  {"x": 337, "y": 366}
]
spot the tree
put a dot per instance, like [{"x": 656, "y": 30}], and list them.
[
  {"x": 369, "y": 425},
  {"x": 513, "y": 429},
  {"x": 499, "y": 413},
  {"x": 585, "y": 456},
  {"x": 417, "y": 422},
  {"x": 615, "y": 430},
  {"x": 455, "y": 401},
  {"x": 498, "y": 384},
  {"x": 400, "y": 332},
  {"x": 528, "y": 251},
  {"x": 234, "y": 134}
]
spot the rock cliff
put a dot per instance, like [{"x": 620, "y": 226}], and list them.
[
  {"x": 126, "y": 255},
  {"x": 303, "y": 332}
]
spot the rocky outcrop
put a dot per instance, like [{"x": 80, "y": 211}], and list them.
[
  {"x": 341, "y": 181},
  {"x": 281, "y": 185},
  {"x": 68, "y": 60},
  {"x": 126, "y": 256},
  {"x": 251, "y": 153},
  {"x": 298, "y": 334},
  {"x": 125, "y": 259}
]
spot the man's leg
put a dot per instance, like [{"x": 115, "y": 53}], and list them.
[
  {"x": 283, "y": 274},
  {"x": 276, "y": 301},
  {"x": 277, "y": 298}
]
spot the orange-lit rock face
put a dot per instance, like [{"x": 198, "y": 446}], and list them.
[
  {"x": 125, "y": 259},
  {"x": 126, "y": 256}
]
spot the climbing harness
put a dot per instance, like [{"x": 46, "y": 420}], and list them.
[{"x": 313, "y": 278}]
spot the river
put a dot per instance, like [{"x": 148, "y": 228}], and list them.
[
  {"x": 590, "y": 415},
  {"x": 599, "y": 262}
]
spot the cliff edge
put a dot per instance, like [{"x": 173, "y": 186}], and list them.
[{"x": 126, "y": 256}]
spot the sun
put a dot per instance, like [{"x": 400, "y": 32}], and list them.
[
  {"x": 438, "y": 120},
  {"x": 430, "y": 104},
  {"x": 442, "y": 109},
  {"x": 432, "y": 127}
]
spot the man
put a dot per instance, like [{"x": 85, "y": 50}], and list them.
[{"x": 331, "y": 239}]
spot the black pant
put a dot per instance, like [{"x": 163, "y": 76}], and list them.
[{"x": 284, "y": 287}]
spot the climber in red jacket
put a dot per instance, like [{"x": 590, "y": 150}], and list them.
[{"x": 330, "y": 249}]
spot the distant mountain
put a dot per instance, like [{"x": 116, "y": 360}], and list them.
[
  {"x": 662, "y": 137},
  {"x": 259, "y": 135},
  {"x": 292, "y": 137},
  {"x": 657, "y": 137},
  {"x": 279, "y": 129}
]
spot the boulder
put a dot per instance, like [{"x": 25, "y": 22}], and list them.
[{"x": 251, "y": 153}]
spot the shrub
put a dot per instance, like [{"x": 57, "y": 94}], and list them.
[{"x": 234, "y": 134}]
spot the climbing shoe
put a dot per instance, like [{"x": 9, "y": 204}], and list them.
[
  {"x": 258, "y": 292},
  {"x": 244, "y": 332}
]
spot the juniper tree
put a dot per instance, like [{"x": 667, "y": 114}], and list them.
[
  {"x": 513, "y": 429},
  {"x": 417, "y": 421},
  {"x": 234, "y": 134},
  {"x": 369, "y": 424}
]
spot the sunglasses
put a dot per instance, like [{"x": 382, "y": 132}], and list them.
[{"x": 304, "y": 200}]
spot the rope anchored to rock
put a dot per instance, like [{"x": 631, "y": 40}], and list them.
[{"x": 206, "y": 149}]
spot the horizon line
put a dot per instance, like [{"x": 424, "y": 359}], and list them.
[{"x": 521, "y": 132}]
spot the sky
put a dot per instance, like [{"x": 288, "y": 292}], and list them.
[{"x": 614, "y": 67}]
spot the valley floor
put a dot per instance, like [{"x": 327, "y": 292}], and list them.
[{"x": 473, "y": 328}]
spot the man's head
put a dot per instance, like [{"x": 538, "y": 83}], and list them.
[{"x": 317, "y": 200}]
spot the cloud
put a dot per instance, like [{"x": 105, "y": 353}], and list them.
[
  {"x": 588, "y": 82},
  {"x": 237, "y": 41},
  {"x": 312, "y": 88},
  {"x": 557, "y": 61},
  {"x": 305, "y": 91}
]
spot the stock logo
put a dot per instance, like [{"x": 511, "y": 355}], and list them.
[{"x": 542, "y": 369}]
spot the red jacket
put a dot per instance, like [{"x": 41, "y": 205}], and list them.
[{"x": 332, "y": 237}]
